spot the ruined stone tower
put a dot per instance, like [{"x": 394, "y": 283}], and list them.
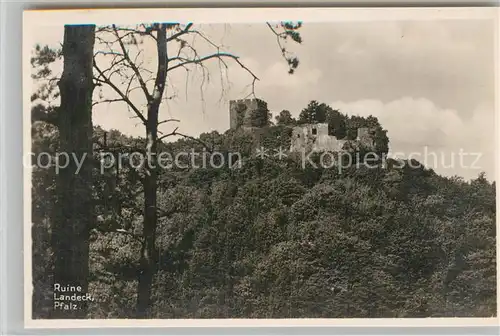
[{"x": 241, "y": 112}]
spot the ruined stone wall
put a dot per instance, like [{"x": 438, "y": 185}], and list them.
[
  {"x": 315, "y": 137},
  {"x": 328, "y": 143}
]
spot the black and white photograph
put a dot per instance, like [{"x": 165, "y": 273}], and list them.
[{"x": 287, "y": 165}]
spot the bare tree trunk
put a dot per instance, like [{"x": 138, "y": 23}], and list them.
[
  {"x": 148, "y": 255},
  {"x": 74, "y": 209}
]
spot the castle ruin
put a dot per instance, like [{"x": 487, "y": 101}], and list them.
[
  {"x": 244, "y": 114},
  {"x": 315, "y": 137}
]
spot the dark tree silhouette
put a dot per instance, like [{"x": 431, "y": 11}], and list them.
[{"x": 74, "y": 213}]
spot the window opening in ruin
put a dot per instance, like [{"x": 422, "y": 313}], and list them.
[{"x": 314, "y": 131}]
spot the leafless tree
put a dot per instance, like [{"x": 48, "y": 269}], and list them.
[{"x": 120, "y": 65}]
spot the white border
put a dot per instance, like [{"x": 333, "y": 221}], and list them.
[{"x": 32, "y": 19}]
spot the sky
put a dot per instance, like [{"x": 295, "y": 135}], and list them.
[{"x": 430, "y": 83}]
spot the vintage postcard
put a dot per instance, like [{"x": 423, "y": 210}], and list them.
[{"x": 246, "y": 167}]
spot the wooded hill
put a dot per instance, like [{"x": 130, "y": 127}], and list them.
[{"x": 275, "y": 240}]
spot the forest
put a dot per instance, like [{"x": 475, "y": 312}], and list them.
[{"x": 268, "y": 239}]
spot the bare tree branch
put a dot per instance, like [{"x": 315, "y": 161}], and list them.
[
  {"x": 182, "y": 32},
  {"x": 132, "y": 65},
  {"x": 289, "y": 31},
  {"x": 278, "y": 40},
  {"x": 218, "y": 55},
  {"x": 107, "y": 53},
  {"x": 121, "y": 94},
  {"x": 108, "y": 101},
  {"x": 175, "y": 133},
  {"x": 168, "y": 120}
]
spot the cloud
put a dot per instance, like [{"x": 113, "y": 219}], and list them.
[
  {"x": 417, "y": 125},
  {"x": 449, "y": 62},
  {"x": 277, "y": 75}
]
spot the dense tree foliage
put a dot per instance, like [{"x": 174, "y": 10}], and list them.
[
  {"x": 273, "y": 239},
  {"x": 285, "y": 118},
  {"x": 261, "y": 116},
  {"x": 314, "y": 113}
]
